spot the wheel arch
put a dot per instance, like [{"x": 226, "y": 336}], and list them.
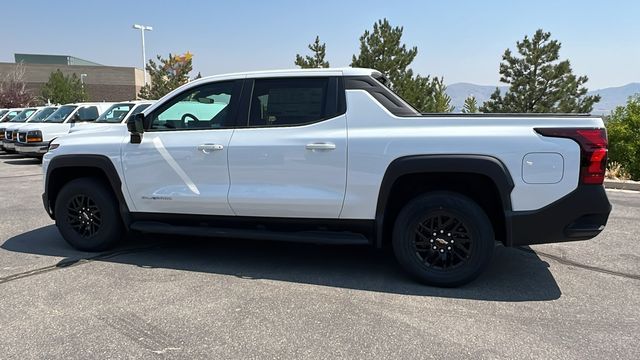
[
  {"x": 64, "y": 168},
  {"x": 467, "y": 174}
]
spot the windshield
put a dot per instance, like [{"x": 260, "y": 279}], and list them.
[
  {"x": 115, "y": 114},
  {"x": 42, "y": 114},
  {"x": 61, "y": 114},
  {"x": 11, "y": 115},
  {"x": 23, "y": 115},
  {"x": 2, "y": 112}
]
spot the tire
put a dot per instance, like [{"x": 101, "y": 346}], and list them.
[
  {"x": 87, "y": 215},
  {"x": 461, "y": 249}
]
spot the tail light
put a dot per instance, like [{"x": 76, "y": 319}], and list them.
[{"x": 593, "y": 150}]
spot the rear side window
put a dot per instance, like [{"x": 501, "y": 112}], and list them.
[{"x": 291, "y": 101}]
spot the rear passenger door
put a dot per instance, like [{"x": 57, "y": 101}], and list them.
[{"x": 288, "y": 156}]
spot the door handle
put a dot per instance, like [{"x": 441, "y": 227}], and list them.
[
  {"x": 320, "y": 146},
  {"x": 207, "y": 148}
]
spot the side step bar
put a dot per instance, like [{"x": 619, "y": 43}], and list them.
[{"x": 313, "y": 237}]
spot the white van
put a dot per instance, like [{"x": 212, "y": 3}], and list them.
[
  {"x": 10, "y": 128},
  {"x": 116, "y": 115},
  {"x": 34, "y": 139}
]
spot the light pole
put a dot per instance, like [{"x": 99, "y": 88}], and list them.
[{"x": 142, "y": 29}]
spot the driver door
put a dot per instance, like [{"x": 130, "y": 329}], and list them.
[{"x": 180, "y": 166}]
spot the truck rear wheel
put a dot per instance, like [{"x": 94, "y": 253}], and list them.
[
  {"x": 87, "y": 215},
  {"x": 443, "y": 239}
]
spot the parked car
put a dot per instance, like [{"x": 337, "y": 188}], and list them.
[
  {"x": 11, "y": 127},
  {"x": 34, "y": 139},
  {"x": 116, "y": 115},
  {"x": 10, "y": 114},
  {"x": 332, "y": 156}
]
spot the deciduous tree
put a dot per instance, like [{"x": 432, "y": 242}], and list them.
[
  {"x": 166, "y": 75},
  {"x": 623, "y": 127},
  {"x": 13, "y": 89}
]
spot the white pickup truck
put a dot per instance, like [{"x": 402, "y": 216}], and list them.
[{"x": 332, "y": 156}]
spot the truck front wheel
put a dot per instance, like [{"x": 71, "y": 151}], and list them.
[
  {"x": 87, "y": 215},
  {"x": 443, "y": 239}
]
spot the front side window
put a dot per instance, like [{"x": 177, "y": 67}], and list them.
[
  {"x": 23, "y": 115},
  {"x": 42, "y": 114},
  {"x": 204, "y": 107},
  {"x": 86, "y": 113},
  {"x": 115, "y": 114},
  {"x": 289, "y": 102},
  {"x": 61, "y": 114}
]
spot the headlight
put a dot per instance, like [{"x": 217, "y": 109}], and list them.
[
  {"x": 53, "y": 146},
  {"x": 34, "y": 136}
]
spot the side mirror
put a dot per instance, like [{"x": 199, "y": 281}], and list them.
[{"x": 135, "y": 125}]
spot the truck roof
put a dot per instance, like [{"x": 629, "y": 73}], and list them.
[{"x": 343, "y": 71}]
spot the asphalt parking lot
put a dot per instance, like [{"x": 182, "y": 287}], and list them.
[{"x": 157, "y": 297}]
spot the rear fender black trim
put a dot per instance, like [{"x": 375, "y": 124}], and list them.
[
  {"x": 471, "y": 164},
  {"x": 100, "y": 162}
]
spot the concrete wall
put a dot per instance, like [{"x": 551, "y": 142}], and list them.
[{"x": 103, "y": 83}]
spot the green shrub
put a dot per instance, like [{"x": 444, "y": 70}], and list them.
[{"x": 623, "y": 127}]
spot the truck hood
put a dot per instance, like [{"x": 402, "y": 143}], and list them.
[
  {"x": 95, "y": 127},
  {"x": 13, "y": 126},
  {"x": 97, "y": 130},
  {"x": 49, "y": 130}
]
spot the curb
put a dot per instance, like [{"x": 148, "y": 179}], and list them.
[{"x": 622, "y": 185}]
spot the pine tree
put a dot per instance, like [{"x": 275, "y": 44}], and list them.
[
  {"x": 538, "y": 81},
  {"x": 61, "y": 89},
  {"x": 470, "y": 105},
  {"x": 166, "y": 75},
  {"x": 317, "y": 60},
  {"x": 441, "y": 101},
  {"x": 382, "y": 49}
]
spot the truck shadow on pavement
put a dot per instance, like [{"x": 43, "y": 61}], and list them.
[
  {"x": 514, "y": 275},
  {"x": 5, "y": 155},
  {"x": 24, "y": 161}
]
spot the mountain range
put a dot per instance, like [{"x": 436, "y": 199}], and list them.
[{"x": 610, "y": 97}]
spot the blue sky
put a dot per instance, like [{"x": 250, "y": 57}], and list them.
[{"x": 460, "y": 40}]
